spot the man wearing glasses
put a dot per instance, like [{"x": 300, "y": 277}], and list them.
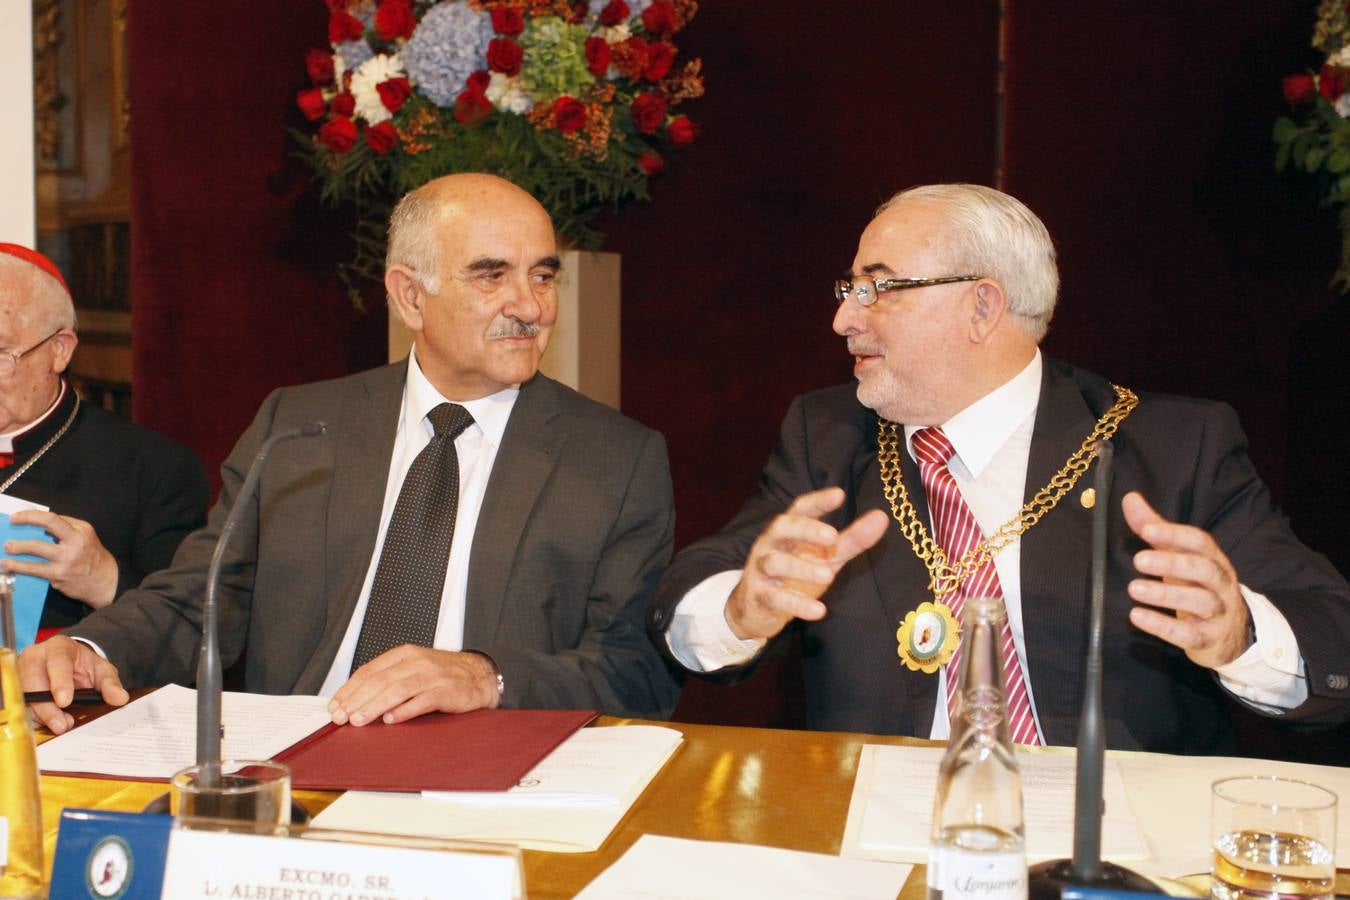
[
  {"x": 120, "y": 498},
  {"x": 955, "y": 468}
]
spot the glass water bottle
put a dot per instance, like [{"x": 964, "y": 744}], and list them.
[{"x": 977, "y": 849}]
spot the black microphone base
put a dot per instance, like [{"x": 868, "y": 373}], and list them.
[{"x": 1048, "y": 879}]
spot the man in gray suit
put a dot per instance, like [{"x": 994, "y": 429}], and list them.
[{"x": 564, "y": 522}]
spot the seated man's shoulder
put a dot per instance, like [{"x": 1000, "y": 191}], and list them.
[
  {"x": 590, "y": 419},
  {"x": 116, "y": 436}
]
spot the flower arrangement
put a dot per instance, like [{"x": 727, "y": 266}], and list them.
[
  {"x": 1315, "y": 138},
  {"x": 573, "y": 101}
]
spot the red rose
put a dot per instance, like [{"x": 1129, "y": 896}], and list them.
[
  {"x": 508, "y": 20},
  {"x": 394, "y": 92},
  {"x": 311, "y": 103},
  {"x": 395, "y": 19},
  {"x": 471, "y": 106},
  {"x": 660, "y": 57},
  {"x": 338, "y": 134},
  {"x": 649, "y": 111},
  {"x": 682, "y": 131},
  {"x": 1299, "y": 88},
  {"x": 319, "y": 64},
  {"x": 579, "y": 11},
  {"x": 651, "y": 164},
  {"x": 344, "y": 104},
  {"x": 1331, "y": 82},
  {"x": 343, "y": 26},
  {"x": 597, "y": 56},
  {"x": 382, "y": 137},
  {"x": 504, "y": 55},
  {"x": 569, "y": 114},
  {"x": 659, "y": 18},
  {"x": 616, "y": 13},
  {"x": 479, "y": 81}
]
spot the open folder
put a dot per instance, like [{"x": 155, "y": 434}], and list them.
[{"x": 154, "y": 736}]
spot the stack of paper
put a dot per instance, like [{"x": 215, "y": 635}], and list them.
[
  {"x": 891, "y": 812},
  {"x": 678, "y": 869},
  {"x": 1157, "y": 805},
  {"x": 153, "y": 737},
  {"x": 569, "y": 803}
]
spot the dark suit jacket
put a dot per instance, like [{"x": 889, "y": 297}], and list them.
[
  {"x": 142, "y": 492},
  {"x": 575, "y": 527},
  {"x": 1188, "y": 457}
]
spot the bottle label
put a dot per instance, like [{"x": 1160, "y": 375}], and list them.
[{"x": 964, "y": 875}]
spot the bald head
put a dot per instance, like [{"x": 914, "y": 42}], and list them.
[
  {"x": 32, "y": 299},
  {"x": 440, "y": 209},
  {"x": 471, "y": 267}
]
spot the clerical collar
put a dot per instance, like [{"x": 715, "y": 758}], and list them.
[
  {"x": 980, "y": 430},
  {"x": 490, "y": 413}
]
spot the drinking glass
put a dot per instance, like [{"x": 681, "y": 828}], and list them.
[
  {"x": 244, "y": 791},
  {"x": 1273, "y": 839}
]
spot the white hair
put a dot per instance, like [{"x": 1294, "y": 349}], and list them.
[
  {"x": 49, "y": 307},
  {"x": 413, "y": 238},
  {"x": 996, "y": 236}
]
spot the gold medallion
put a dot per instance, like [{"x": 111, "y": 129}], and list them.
[
  {"x": 928, "y": 637},
  {"x": 1088, "y": 498}
]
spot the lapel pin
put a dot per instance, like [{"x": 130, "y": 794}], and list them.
[{"x": 1088, "y": 498}]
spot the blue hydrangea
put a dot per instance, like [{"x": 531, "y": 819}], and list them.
[
  {"x": 635, "y": 7},
  {"x": 448, "y": 45},
  {"x": 354, "y": 53}
]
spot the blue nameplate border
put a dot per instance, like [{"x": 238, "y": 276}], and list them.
[{"x": 105, "y": 855}]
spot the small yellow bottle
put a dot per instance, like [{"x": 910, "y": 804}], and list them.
[{"x": 20, "y": 804}]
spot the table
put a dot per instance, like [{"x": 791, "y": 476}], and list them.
[{"x": 763, "y": 786}]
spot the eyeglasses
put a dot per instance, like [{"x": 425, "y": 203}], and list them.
[
  {"x": 868, "y": 290},
  {"x": 10, "y": 359}
]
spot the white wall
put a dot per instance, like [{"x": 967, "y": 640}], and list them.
[{"x": 18, "y": 210}]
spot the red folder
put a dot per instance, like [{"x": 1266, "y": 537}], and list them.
[{"x": 485, "y": 750}]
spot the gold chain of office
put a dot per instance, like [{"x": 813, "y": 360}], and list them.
[{"x": 944, "y": 577}]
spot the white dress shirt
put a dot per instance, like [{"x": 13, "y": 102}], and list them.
[
  {"x": 476, "y": 448},
  {"x": 992, "y": 440}
]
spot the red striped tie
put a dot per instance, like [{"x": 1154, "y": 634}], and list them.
[{"x": 958, "y": 532}]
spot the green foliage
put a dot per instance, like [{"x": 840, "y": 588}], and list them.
[{"x": 1317, "y": 143}]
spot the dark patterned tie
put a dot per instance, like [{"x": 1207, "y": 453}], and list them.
[{"x": 405, "y": 599}]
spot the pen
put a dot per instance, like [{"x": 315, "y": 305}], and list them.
[{"x": 82, "y": 697}]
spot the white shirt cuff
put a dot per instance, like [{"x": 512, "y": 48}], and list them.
[
  {"x": 1270, "y": 673},
  {"x": 91, "y": 645},
  {"x": 699, "y": 635}
]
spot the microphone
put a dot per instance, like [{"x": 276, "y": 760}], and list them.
[
  {"x": 209, "y": 676},
  {"x": 1048, "y": 879}
]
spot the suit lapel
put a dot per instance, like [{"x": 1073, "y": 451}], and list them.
[
  {"x": 1055, "y": 561},
  {"x": 900, "y": 578},
  {"x": 529, "y": 451},
  {"x": 365, "y": 446}
]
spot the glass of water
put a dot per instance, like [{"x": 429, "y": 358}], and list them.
[
  {"x": 1273, "y": 838},
  {"x": 250, "y": 792}
]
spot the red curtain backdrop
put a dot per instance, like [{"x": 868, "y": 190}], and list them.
[{"x": 1141, "y": 135}]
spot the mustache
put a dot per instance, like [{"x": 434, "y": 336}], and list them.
[
  {"x": 514, "y": 328},
  {"x": 863, "y": 348}
]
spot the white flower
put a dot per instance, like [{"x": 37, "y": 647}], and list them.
[
  {"x": 339, "y": 69},
  {"x": 507, "y": 94},
  {"x": 616, "y": 35},
  {"x": 1341, "y": 57},
  {"x": 1343, "y": 106},
  {"x": 371, "y": 73}
]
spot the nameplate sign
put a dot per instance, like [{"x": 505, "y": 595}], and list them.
[{"x": 200, "y": 864}]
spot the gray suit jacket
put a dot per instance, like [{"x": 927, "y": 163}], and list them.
[{"x": 576, "y": 527}]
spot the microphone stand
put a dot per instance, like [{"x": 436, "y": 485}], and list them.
[
  {"x": 1048, "y": 879},
  {"x": 209, "y": 674}
]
